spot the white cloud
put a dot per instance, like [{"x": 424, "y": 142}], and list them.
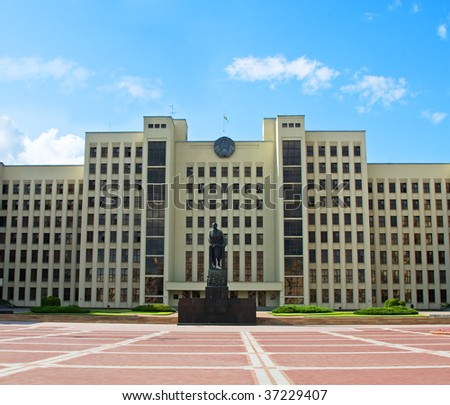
[
  {"x": 10, "y": 139},
  {"x": 434, "y": 117},
  {"x": 442, "y": 31},
  {"x": 138, "y": 87},
  {"x": 369, "y": 16},
  {"x": 415, "y": 8},
  {"x": 378, "y": 90},
  {"x": 395, "y": 4},
  {"x": 47, "y": 148},
  {"x": 314, "y": 75},
  {"x": 68, "y": 73}
]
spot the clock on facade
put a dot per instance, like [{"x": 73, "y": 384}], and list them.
[{"x": 224, "y": 147}]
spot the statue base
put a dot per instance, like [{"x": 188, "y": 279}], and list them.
[
  {"x": 217, "y": 310},
  {"x": 216, "y": 307}
]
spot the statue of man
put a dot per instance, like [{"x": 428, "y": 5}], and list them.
[{"x": 216, "y": 246}]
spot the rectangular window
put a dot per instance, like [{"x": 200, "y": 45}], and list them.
[{"x": 157, "y": 153}]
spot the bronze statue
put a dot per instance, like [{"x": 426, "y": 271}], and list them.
[{"x": 217, "y": 242}]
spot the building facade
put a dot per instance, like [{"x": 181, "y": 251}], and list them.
[{"x": 307, "y": 220}]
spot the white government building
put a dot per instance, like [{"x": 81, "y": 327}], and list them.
[{"x": 308, "y": 221}]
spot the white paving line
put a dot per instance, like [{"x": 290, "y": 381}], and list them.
[
  {"x": 69, "y": 356},
  {"x": 18, "y": 338},
  {"x": 169, "y": 367},
  {"x": 257, "y": 366},
  {"x": 392, "y": 345},
  {"x": 362, "y": 367},
  {"x": 268, "y": 366},
  {"x": 250, "y": 368}
]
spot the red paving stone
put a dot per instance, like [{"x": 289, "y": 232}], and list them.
[
  {"x": 327, "y": 349},
  {"x": 124, "y": 354},
  {"x": 398, "y": 376},
  {"x": 178, "y": 349},
  {"x": 359, "y": 360},
  {"x": 124, "y": 376},
  {"x": 157, "y": 360}
]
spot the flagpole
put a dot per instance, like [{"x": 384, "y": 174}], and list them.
[{"x": 225, "y": 119}]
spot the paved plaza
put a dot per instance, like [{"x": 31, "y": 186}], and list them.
[{"x": 109, "y": 354}]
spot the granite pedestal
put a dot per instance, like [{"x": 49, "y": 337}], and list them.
[{"x": 217, "y": 307}]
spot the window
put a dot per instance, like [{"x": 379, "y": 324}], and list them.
[
  {"x": 437, "y": 187},
  {"x": 157, "y": 153}
]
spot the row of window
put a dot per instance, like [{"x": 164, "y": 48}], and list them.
[
  {"x": 349, "y": 296},
  {"x": 406, "y": 257},
  {"x": 291, "y": 125},
  {"x": 321, "y": 150},
  {"x": 37, "y": 238},
  {"x": 19, "y": 293},
  {"x": 333, "y": 167},
  {"x": 224, "y": 171},
  {"x": 416, "y": 238},
  {"x": 38, "y": 188},
  {"x": 236, "y": 239},
  {"x": 337, "y": 276},
  {"x": 336, "y": 255},
  {"x": 113, "y": 253},
  {"x": 335, "y": 218},
  {"x": 224, "y": 188},
  {"x": 46, "y": 221},
  {"x": 405, "y": 221},
  {"x": 37, "y": 204},
  {"x": 381, "y": 204},
  {"x": 392, "y": 187},
  {"x": 125, "y": 236},
  {"x": 104, "y": 150},
  {"x": 235, "y": 265},
  {"x": 111, "y": 275},
  {"x": 224, "y": 222},
  {"x": 115, "y": 167},
  {"x": 114, "y": 219},
  {"x": 336, "y": 236},
  {"x": 39, "y": 256},
  {"x": 407, "y": 279},
  {"x": 22, "y": 275},
  {"x": 248, "y": 204}
]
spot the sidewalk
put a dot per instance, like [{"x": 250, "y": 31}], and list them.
[{"x": 263, "y": 318}]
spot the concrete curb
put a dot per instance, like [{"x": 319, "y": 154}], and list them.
[{"x": 262, "y": 319}]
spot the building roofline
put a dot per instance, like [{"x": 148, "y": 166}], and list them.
[
  {"x": 46, "y": 165},
  {"x": 113, "y": 132},
  {"x": 409, "y": 164}
]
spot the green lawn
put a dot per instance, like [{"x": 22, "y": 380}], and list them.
[
  {"x": 124, "y": 312},
  {"x": 335, "y": 314}
]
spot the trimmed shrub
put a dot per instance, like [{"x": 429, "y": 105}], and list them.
[
  {"x": 396, "y": 310},
  {"x": 394, "y": 302},
  {"x": 154, "y": 308},
  {"x": 51, "y": 301},
  {"x": 301, "y": 309},
  {"x": 70, "y": 309}
]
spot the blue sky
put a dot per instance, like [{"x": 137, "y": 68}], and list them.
[{"x": 72, "y": 66}]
